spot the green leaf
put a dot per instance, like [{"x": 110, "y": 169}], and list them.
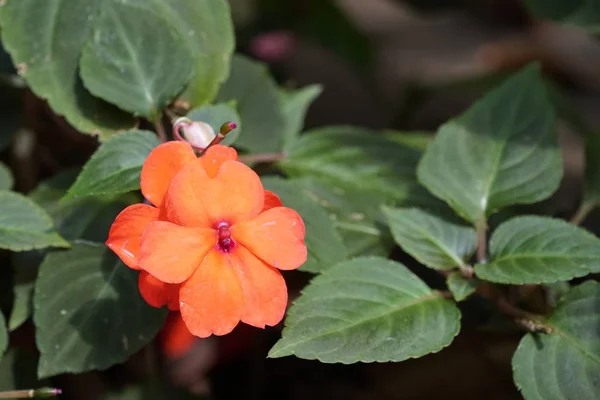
[
  {"x": 216, "y": 115},
  {"x": 3, "y": 335},
  {"x": 415, "y": 140},
  {"x": 431, "y": 240},
  {"x": 502, "y": 151},
  {"x": 356, "y": 215},
  {"x": 25, "y": 226},
  {"x": 460, "y": 286},
  {"x": 45, "y": 41},
  {"x": 116, "y": 166},
  {"x": 564, "y": 364},
  {"x": 22, "y": 305},
  {"x": 6, "y": 178},
  {"x": 257, "y": 99},
  {"x": 324, "y": 244},
  {"x": 358, "y": 158},
  {"x": 584, "y": 13},
  {"x": 294, "y": 105},
  {"x": 88, "y": 312},
  {"x": 365, "y": 310},
  {"x": 135, "y": 59},
  {"x": 591, "y": 189},
  {"x": 535, "y": 250},
  {"x": 207, "y": 29}
]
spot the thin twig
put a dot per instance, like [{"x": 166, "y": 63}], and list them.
[
  {"x": 160, "y": 130},
  {"x": 482, "y": 242},
  {"x": 582, "y": 212},
  {"x": 261, "y": 158}
]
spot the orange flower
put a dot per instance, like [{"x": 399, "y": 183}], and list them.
[{"x": 214, "y": 243}]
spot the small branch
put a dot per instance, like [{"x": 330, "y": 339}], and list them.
[
  {"x": 582, "y": 212},
  {"x": 160, "y": 130},
  {"x": 31, "y": 393},
  {"x": 482, "y": 242},
  {"x": 261, "y": 158},
  {"x": 171, "y": 114}
]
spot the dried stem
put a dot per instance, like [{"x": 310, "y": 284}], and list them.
[
  {"x": 265, "y": 157},
  {"x": 482, "y": 242},
  {"x": 160, "y": 130},
  {"x": 582, "y": 212}
]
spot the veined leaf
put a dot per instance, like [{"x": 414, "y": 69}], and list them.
[
  {"x": 295, "y": 104},
  {"x": 116, "y": 166},
  {"x": 502, "y": 151},
  {"x": 460, "y": 286},
  {"x": 540, "y": 250},
  {"x": 88, "y": 312},
  {"x": 564, "y": 364},
  {"x": 367, "y": 310}
]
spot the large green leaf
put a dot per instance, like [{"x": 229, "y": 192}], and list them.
[
  {"x": 358, "y": 158},
  {"x": 6, "y": 178},
  {"x": 3, "y": 335},
  {"x": 584, "y": 13},
  {"x": 356, "y": 215},
  {"x": 367, "y": 309},
  {"x": 431, "y": 240},
  {"x": 88, "y": 313},
  {"x": 502, "y": 151},
  {"x": 115, "y": 167},
  {"x": 324, "y": 244},
  {"x": 25, "y": 226},
  {"x": 135, "y": 58},
  {"x": 294, "y": 104},
  {"x": 564, "y": 364},
  {"x": 86, "y": 218},
  {"x": 216, "y": 115},
  {"x": 257, "y": 99},
  {"x": 45, "y": 40},
  {"x": 535, "y": 249}
]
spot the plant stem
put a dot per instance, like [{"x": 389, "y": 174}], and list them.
[
  {"x": 30, "y": 393},
  {"x": 482, "y": 241},
  {"x": 582, "y": 212},
  {"x": 160, "y": 130},
  {"x": 258, "y": 158}
]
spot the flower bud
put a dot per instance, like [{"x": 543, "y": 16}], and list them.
[{"x": 198, "y": 134}]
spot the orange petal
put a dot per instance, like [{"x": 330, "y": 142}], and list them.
[
  {"x": 211, "y": 301},
  {"x": 215, "y": 156},
  {"x": 276, "y": 236},
  {"x": 175, "y": 338},
  {"x": 172, "y": 253},
  {"x": 271, "y": 201},
  {"x": 234, "y": 194},
  {"x": 161, "y": 166},
  {"x": 265, "y": 293},
  {"x": 157, "y": 293},
  {"x": 126, "y": 232}
]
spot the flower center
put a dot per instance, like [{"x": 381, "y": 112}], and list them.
[{"x": 224, "y": 241}]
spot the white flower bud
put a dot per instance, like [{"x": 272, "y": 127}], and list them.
[{"x": 198, "y": 134}]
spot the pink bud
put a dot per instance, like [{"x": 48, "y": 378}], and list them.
[{"x": 198, "y": 134}]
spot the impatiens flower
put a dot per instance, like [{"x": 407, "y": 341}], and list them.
[{"x": 214, "y": 241}]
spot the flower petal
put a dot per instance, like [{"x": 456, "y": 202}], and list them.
[
  {"x": 175, "y": 338},
  {"x": 271, "y": 201},
  {"x": 157, "y": 293},
  {"x": 276, "y": 236},
  {"x": 172, "y": 253},
  {"x": 215, "y": 156},
  {"x": 194, "y": 199},
  {"x": 125, "y": 233},
  {"x": 265, "y": 293},
  {"x": 161, "y": 166},
  {"x": 211, "y": 301}
]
